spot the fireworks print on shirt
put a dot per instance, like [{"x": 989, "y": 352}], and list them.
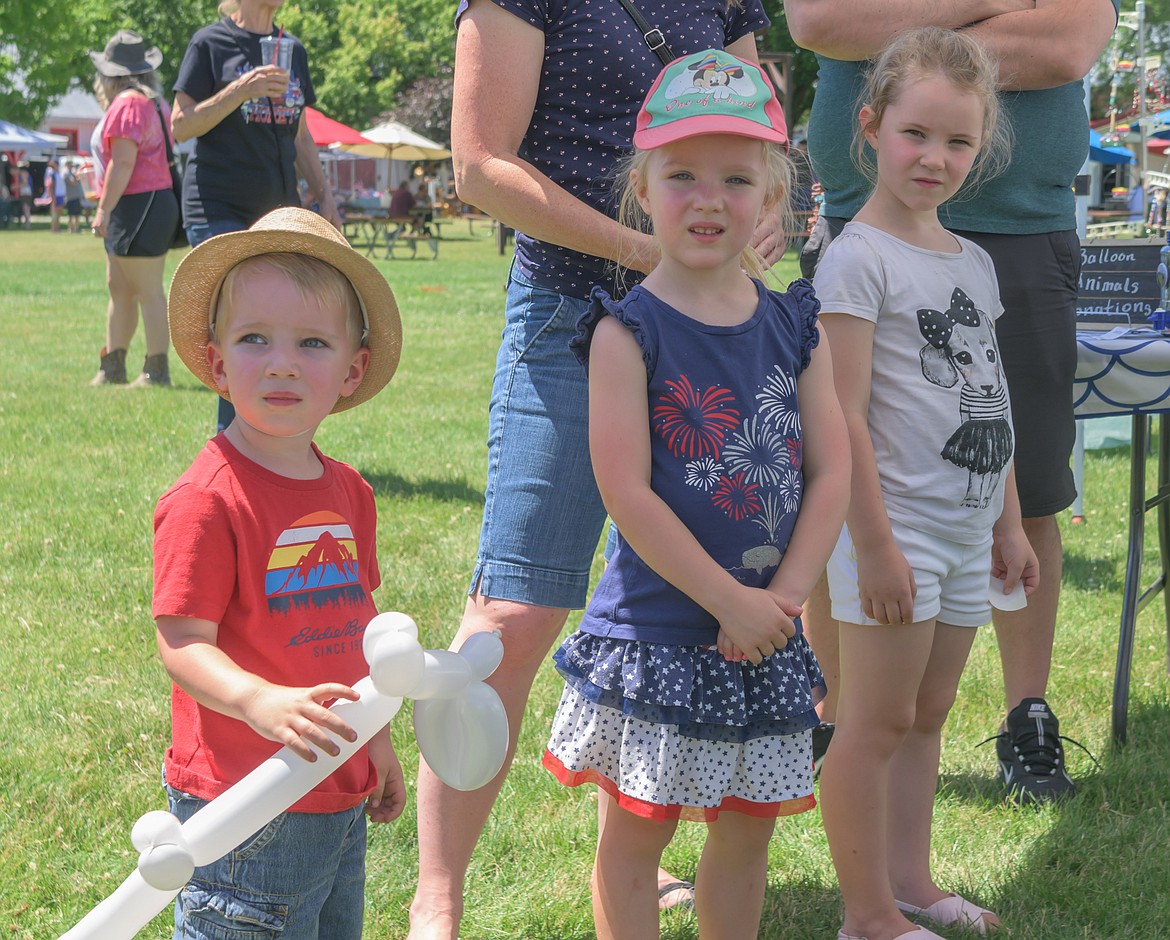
[
  {"x": 693, "y": 423},
  {"x": 747, "y": 463}
]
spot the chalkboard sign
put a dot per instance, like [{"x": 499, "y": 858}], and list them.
[{"x": 1119, "y": 283}]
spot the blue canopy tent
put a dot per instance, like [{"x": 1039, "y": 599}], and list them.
[
  {"x": 16, "y": 138},
  {"x": 1102, "y": 154}
]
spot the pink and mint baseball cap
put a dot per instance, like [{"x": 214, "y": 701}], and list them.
[{"x": 711, "y": 92}]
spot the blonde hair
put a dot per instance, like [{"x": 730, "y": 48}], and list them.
[
  {"x": 778, "y": 176},
  {"x": 914, "y": 54},
  {"x": 108, "y": 87},
  {"x": 313, "y": 278}
]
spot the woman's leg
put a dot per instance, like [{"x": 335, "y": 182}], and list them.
[
  {"x": 882, "y": 668},
  {"x": 122, "y": 317},
  {"x": 625, "y": 879},
  {"x": 733, "y": 873},
  {"x": 143, "y": 278},
  {"x": 914, "y": 770},
  {"x": 450, "y": 821}
]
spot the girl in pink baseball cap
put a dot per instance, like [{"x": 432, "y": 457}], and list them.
[{"x": 721, "y": 455}]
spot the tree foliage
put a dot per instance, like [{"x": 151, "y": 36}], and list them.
[
  {"x": 365, "y": 53},
  {"x": 1115, "y": 83},
  {"x": 802, "y": 72},
  {"x": 43, "y": 46},
  {"x": 425, "y": 106},
  {"x": 362, "y": 53}
]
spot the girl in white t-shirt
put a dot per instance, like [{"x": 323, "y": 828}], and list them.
[{"x": 909, "y": 309}]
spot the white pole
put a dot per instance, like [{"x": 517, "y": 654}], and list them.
[{"x": 1141, "y": 70}]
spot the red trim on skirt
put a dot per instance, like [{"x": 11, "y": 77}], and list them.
[{"x": 661, "y": 813}]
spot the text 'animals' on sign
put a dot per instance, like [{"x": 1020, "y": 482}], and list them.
[{"x": 1119, "y": 283}]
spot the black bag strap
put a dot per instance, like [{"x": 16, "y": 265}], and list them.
[
  {"x": 653, "y": 36},
  {"x": 166, "y": 133}
]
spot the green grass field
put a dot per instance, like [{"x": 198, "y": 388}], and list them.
[{"x": 84, "y": 722}]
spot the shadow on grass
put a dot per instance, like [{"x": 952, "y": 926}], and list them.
[
  {"x": 444, "y": 491},
  {"x": 794, "y": 909},
  {"x": 1092, "y": 574},
  {"x": 1100, "y": 871}
]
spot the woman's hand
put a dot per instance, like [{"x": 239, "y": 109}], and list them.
[
  {"x": 768, "y": 238},
  {"x": 123, "y": 156},
  {"x": 267, "y": 81}
]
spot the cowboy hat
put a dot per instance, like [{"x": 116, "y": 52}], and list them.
[
  {"x": 194, "y": 293},
  {"x": 126, "y": 54}
]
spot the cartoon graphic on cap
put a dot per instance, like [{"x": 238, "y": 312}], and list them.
[
  {"x": 710, "y": 92},
  {"x": 710, "y": 75}
]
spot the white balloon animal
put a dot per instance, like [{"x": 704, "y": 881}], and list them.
[{"x": 459, "y": 721}]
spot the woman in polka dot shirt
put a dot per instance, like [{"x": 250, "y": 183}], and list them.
[{"x": 546, "y": 93}]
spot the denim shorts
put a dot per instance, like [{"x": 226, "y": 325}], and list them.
[
  {"x": 301, "y": 877},
  {"x": 542, "y": 513},
  {"x": 198, "y": 233}
]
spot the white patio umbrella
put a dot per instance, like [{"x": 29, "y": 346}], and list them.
[
  {"x": 15, "y": 137},
  {"x": 398, "y": 142}
]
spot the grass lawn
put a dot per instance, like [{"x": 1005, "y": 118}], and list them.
[{"x": 85, "y": 716}]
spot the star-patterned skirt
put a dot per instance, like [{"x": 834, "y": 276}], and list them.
[{"x": 678, "y": 732}]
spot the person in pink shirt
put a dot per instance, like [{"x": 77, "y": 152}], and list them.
[{"x": 137, "y": 212}]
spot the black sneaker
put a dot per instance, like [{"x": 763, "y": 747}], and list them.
[
  {"x": 822, "y": 734},
  {"x": 1031, "y": 756}
]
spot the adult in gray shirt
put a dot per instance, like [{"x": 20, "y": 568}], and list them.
[{"x": 1025, "y": 220}]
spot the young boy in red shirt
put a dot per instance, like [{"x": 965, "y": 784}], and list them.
[{"x": 265, "y": 566}]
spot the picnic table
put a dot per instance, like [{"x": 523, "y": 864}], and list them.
[
  {"x": 501, "y": 231},
  {"x": 370, "y": 231}
]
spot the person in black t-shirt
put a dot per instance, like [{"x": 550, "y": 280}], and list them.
[{"x": 251, "y": 140}]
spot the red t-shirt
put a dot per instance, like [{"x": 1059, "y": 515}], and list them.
[{"x": 287, "y": 568}]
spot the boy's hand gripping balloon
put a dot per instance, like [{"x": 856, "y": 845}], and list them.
[{"x": 462, "y": 732}]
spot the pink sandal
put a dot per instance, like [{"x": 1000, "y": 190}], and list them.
[
  {"x": 918, "y": 933},
  {"x": 953, "y": 910}
]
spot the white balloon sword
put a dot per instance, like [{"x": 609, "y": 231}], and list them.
[{"x": 459, "y": 722}]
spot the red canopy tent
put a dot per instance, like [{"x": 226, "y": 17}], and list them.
[{"x": 326, "y": 131}]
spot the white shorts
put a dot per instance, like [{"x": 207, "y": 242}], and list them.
[{"x": 952, "y": 578}]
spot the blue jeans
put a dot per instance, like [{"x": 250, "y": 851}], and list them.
[
  {"x": 301, "y": 877},
  {"x": 196, "y": 235},
  {"x": 542, "y": 515}
]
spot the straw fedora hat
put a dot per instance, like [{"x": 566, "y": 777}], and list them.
[
  {"x": 126, "y": 54},
  {"x": 195, "y": 292}
]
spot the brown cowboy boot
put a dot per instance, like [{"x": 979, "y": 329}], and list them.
[
  {"x": 113, "y": 368},
  {"x": 155, "y": 371}
]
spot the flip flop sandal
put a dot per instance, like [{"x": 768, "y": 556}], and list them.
[
  {"x": 686, "y": 904},
  {"x": 918, "y": 933},
  {"x": 953, "y": 910}
]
